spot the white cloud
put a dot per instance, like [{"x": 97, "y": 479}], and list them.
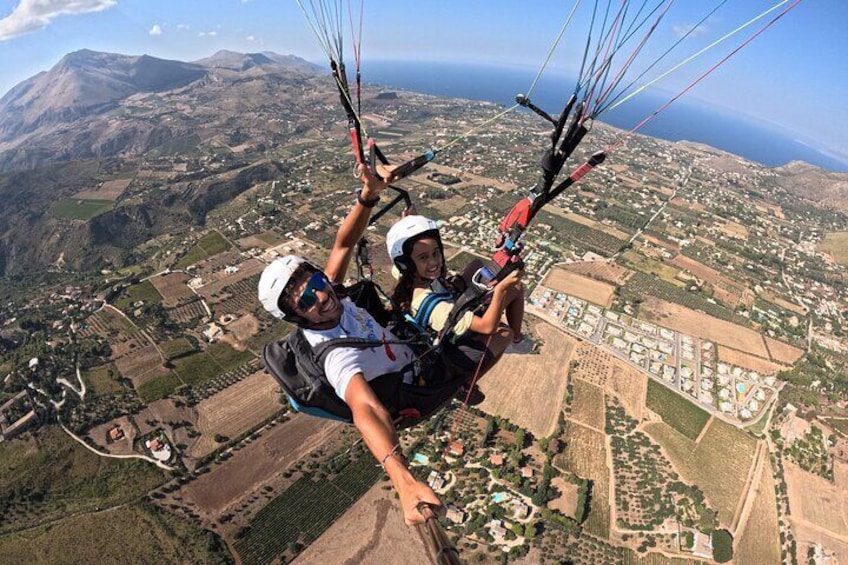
[
  {"x": 183, "y": 26},
  {"x": 250, "y": 38},
  {"x": 156, "y": 30},
  {"x": 207, "y": 34},
  {"x": 704, "y": 29},
  {"x": 30, "y": 16}
]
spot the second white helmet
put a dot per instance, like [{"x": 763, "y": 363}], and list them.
[{"x": 404, "y": 233}]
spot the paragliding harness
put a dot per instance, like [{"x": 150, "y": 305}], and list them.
[{"x": 299, "y": 368}]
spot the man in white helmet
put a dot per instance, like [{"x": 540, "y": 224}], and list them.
[{"x": 293, "y": 289}]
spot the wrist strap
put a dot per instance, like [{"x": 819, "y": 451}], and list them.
[{"x": 366, "y": 203}]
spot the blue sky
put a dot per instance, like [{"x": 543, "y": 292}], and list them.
[{"x": 795, "y": 75}]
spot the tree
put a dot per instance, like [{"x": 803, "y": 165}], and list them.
[{"x": 722, "y": 546}]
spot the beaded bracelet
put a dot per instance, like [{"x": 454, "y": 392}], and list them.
[{"x": 395, "y": 451}]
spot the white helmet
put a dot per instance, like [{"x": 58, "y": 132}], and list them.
[
  {"x": 273, "y": 281},
  {"x": 404, "y": 233}
]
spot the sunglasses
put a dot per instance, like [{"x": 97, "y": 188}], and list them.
[{"x": 307, "y": 299}]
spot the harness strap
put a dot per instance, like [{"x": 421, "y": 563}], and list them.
[
  {"x": 323, "y": 349},
  {"x": 428, "y": 304}
]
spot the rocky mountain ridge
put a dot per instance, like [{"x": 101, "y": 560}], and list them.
[{"x": 73, "y": 111}]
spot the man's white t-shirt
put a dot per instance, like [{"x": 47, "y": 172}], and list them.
[{"x": 342, "y": 363}]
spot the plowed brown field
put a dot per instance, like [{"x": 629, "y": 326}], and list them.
[
  {"x": 530, "y": 389},
  {"x": 588, "y": 289},
  {"x": 235, "y": 410}
]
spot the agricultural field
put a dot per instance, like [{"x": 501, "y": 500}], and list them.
[
  {"x": 630, "y": 386},
  {"x": 582, "y": 237},
  {"x": 675, "y": 410},
  {"x": 275, "y": 330},
  {"x": 700, "y": 270},
  {"x": 836, "y": 243},
  {"x": 601, "y": 271},
  {"x": 784, "y": 304},
  {"x": 136, "y": 533},
  {"x": 783, "y": 352},
  {"x": 174, "y": 288},
  {"x": 108, "y": 190},
  {"x": 187, "y": 312},
  {"x": 142, "y": 292},
  {"x": 819, "y": 507},
  {"x": 141, "y": 366},
  {"x": 760, "y": 541},
  {"x": 733, "y": 295},
  {"x": 224, "y": 380},
  {"x": 594, "y": 224},
  {"x": 596, "y": 366},
  {"x": 585, "y": 455},
  {"x": 305, "y": 510},
  {"x": 719, "y": 464},
  {"x": 388, "y": 539},
  {"x": 839, "y": 424},
  {"x": 214, "y": 268},
  {"x": 124, "y": 345},
  {"x": 68, "y": 478},
  {"x": 734, "y": 230},
  {"x": 746, "y": 361},
  {"x": 649, "y": 289},
  {"x": 669, "y": 245},
  {"x": 175, "y": 348},
  {"x": 262, "y": 240},
  {"x": 647, "y": 490},
  {"x": 242, "y": 329},
  {"x": 210, "y": 244},
  {"x": 216, "y": 283},
  {"x": 158, "y": 386},
  {"x": 643, "y": 264},
  {"x": 161, "y": 414},
  {"x": 103, "y": 380},
  {"x": 77, "y": 209},
  {"x": 235, "y": 410},
  {"x": 807, "y": 534},
  {"x": 258, "y": 463},
  {"x": 196, "y": 369},
  {"x": 226, "y": 357},
  {"x": 566, "y": 503},
  {"x": 588, "y": 405},
  {"x": 632, "y": 558},
  {"x": 110, "y": 325},
  {"x": 240, "y": 298},
  {"x": 698, "y": 324},
  {"x": 201, "y": 367},
  {"x": 529, "y": 389},
  {"x": 591, "y": 290},
  {"x": 817, "y": 501},
  {"x": 556, "y": 546}
]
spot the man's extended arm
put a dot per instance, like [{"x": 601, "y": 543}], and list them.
[
  {"x": 375, "y": 424},
  {"x": 353, "y": 226}
]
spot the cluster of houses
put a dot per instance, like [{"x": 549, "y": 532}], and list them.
[
  {"x": 516, "y": 507},
  {"x": 688, "y": 364}
]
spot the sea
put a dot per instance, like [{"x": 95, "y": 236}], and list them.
[{"x": 686, "y": 119}]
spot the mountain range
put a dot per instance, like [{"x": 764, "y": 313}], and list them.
[
  {"x": 62, "y": 114},
  {"x": 95, "y": 117}
]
